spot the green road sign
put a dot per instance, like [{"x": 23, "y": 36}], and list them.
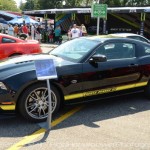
[{"x": 99, "y": 10}]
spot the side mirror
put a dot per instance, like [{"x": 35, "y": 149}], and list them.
[{"x": 98, "y": 58}]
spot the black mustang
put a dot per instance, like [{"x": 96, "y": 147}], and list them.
[{"x": 88, "y": 69}]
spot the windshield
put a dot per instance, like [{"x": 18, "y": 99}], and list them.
[{"x": 74, "y": 50}]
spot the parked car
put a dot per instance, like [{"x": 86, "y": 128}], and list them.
[
  {"x": 132, "y": 36},
  {"x": 12, "y": 46},
  {"x": 88, "y": 69}
]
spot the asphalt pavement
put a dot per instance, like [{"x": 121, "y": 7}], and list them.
[
  {"x": 121, "y": 123},
  {"x": 46, "y": 47}
]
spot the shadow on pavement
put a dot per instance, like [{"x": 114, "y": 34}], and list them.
[
  {"x": 16, "y": 126},
  {"x": 107, "y": 109}
]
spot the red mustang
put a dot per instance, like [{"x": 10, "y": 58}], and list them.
[{"x": 11, "y": 46}]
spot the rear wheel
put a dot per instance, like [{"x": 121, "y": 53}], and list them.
[{"x": 33, "y": 103}]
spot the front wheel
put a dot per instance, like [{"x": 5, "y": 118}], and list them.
[{"x": 33, "y": 103}]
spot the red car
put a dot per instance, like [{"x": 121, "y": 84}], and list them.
[{"x": 11, "y": 46}]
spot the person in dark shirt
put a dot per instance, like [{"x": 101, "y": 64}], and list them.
[
  {"x": 58, "y": 37},
  {"x": 38, "y": 33}
]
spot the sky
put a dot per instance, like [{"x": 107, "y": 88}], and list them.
[{"x": 18, "y": 1}]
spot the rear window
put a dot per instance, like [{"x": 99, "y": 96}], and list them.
[{"x": 138, "y": 38}]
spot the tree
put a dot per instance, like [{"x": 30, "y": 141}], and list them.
[
  {"x": 50, "y": 4},
  {"x": 8, "y": 5},
  {"x": 30, "y": 5}
]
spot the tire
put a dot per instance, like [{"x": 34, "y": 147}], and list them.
[{"x": 33, "y": 103}]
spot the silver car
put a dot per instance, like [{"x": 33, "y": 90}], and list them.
[{"x": 132, "y": 36}]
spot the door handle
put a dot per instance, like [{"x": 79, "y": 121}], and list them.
[{"x": 133, "y": 65}]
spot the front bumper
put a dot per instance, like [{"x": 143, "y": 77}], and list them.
[{"x": 6, "y": 100}]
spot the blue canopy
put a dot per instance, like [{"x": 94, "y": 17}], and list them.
[
  {"x": 16, "y": 20},
  {"x": 20, "y": 20},
  {"x": 2, "y": 20},
  {"x": 29, "y": 20}
]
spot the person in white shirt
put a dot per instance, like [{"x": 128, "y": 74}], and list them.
[
  {"x": 75, "y": 32},
  {"x": 11, "y": 30}
]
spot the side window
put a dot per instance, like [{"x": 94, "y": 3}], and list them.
[
  {"x": 8, "y": 40},
  {"x": 117, "y": 50},
  {"x": 146, "y": 50}
]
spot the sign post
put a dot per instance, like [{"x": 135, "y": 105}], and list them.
[
  {"x": 45, "y": 70},
  {"x": 49, "y": 117},
  {"x": 99, "y": 11}
]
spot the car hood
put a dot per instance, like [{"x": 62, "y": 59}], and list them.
[{"x": 25, "y": 63}]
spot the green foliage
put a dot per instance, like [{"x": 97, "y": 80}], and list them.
[
  {"x": 44, "y": 4},
  {"x": 8, "y": 5},
  {"x": 127, "y": 2},
  {"x": 30, "y": 5},
  {"x": 49, "y": 4}
]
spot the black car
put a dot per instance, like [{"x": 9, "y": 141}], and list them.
[{"x": 88, "y": 68}]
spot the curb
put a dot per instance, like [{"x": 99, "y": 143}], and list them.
[{"x": 48, "y": 45}]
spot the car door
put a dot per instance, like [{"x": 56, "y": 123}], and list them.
[
  {"x": 120, "y": 72},
  {"x": 7, "y": 47}
]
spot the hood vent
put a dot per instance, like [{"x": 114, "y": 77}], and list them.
[{"x": 23, "y": 62}]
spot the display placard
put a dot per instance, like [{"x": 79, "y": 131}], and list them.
[{"x": 45, "y": 69}]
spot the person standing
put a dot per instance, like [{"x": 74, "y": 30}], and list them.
[
  {"x": 51, "y": 34},
  {"x": 4, "y": 30},
  {"x": 25, "y": 30},
  {"x": 84, "y": 31},
  {"x": 57, "y": 35},
  {"x": 81, "y": 33},
  {"x": 38, "y": 33},
  {"x": 10, "y": 30},
  {"x": 32, "y": 32},
  {"x": 75, "y": 32},
  {"x": 16, "y": 30},
  {"x": 1, "y": 27},
  {"x": 69, "y": 34}
]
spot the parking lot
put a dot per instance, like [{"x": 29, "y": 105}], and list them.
[
  {"x": 47, "y": 47},
  {"x": 116, "y": 123}
]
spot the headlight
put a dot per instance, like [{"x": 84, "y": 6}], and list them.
[{"x": 2, "y": 86}]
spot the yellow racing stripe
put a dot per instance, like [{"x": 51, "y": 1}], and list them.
[
  {"x": 73, "y": 96},
  {"x": 103, "y": 91}
]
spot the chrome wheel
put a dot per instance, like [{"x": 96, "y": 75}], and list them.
[{"x": 36, "y": 103}]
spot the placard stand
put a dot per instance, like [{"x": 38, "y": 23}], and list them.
[
  {"x": 49, "y": 117},
  {"x": 46, "y": 70}
]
